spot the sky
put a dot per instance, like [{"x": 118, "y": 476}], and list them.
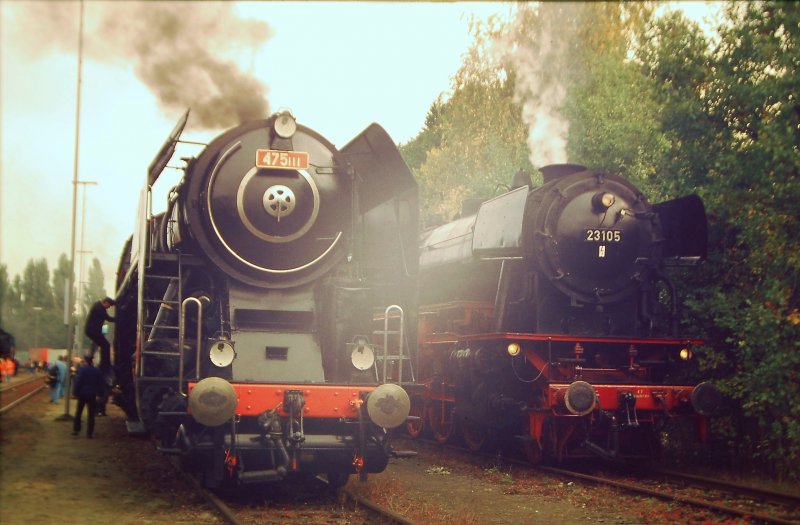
[{"x": 337, "y": 66}]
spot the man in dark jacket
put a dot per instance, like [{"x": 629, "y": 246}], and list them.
[
  {"x": 94, "y": 329},
  {"x": 89, "y": 384}
]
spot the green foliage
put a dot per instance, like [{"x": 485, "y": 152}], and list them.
[
  {"x": 416, "y": 151},
  {"x": 675, "y": 56},
  {"x": 731, "y": 117},
  {"x": 614, "y": 123},
  {"x": 482, "y": 146},
  {"x": 60, "y": 280},
  {"x": 32, "y": 304},
  {"x": 93, "y": 288},
  {"x": 29, "y": 310},
  {"x": 489, "y": 128},
  {"x": 472, "y": 144}
]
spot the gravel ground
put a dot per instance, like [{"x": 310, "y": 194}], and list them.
[
  {"x": 49, "y": 476},
  {"x": 443, "y": 486}
]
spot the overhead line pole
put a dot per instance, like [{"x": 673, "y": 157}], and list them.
[
  {"x": 70, "y": 292},
  {"x": 81, "y": 283}
]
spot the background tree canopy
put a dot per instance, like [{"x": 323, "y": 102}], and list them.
[
  {"x": 32, "y": 304},
  {"x": 614, "y": 87}
]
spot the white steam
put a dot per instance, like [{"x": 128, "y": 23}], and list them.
[{"x": 538, "y": 48}]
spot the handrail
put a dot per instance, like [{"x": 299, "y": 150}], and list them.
[
  {"x": 386, "y": 341},
  {"x": 181, "y": 337}
]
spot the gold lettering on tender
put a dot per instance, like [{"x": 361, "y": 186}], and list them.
[{"x": 602, "y": 251}]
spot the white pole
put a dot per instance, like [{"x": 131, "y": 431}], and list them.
[
  {"x": 81, "y": 281},
  {"x": 71, "y": 301}
]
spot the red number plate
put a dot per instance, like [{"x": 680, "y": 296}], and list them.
[{"x": 281, "y": 160}]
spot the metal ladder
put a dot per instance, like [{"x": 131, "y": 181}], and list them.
[
  {"x": 170, "y": 270},
  {"x": 401, "y": 356}
]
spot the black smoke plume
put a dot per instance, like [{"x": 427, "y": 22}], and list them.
[{"x": 186, "y": 53}]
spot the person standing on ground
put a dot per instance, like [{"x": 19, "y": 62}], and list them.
[
  {"x": 94, "y": 331},
  {"x": 89, "y": 384},
  {"x": 53, "y": 382},
  {"x": 61, "y": 366}
]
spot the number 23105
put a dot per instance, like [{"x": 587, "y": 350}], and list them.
[{"x": 598, "y": 235}]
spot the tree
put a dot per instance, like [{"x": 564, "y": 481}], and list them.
[
  {"x": 614, "y": 124},
  {"x": 94, "y": 289},
  {"x": 36, "y": 289},
  {"x": 33, "y": 308},
  {"x": 474, "y": 142},
  {"x": 60, "y": 281},
  {"x": 754, "y": 93},
  {"x": 732, "y": 118},
  {"x": 520, "y": 88},
  {"x": 676, "y": 56},
  {"x": 482, "y": 146}
]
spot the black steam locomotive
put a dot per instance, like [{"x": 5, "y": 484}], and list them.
[
  {"x": 547, "y": 315},
  {"x": 245, "y": 311}
]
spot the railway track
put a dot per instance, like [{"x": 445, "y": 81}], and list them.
[
  {"x": 791, "y": 501},
  {"x": 19, "y": 391},
  {"x": 308, "y": 501},
  {"x": 716, "y": 495},
  {"x": 732, "y": 499}
]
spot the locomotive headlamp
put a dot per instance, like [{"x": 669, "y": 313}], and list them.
[
  {"x": 685, "y": 354},
  {"x": 602, "y": 201},
  {"x": 513, "y": 349},
  {"x": 362, "y": 356},
  {"x": 222, "y": 353},
  {"x": 285, "y": 125}
]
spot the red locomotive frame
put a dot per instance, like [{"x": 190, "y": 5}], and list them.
[{"x": 547, "y": 426}]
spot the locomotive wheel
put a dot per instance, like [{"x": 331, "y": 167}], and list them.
[
  {"x": 476, "y": 435},
  {"x": 440, "y": 417},
  {"x": 415, "y": 427}
]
